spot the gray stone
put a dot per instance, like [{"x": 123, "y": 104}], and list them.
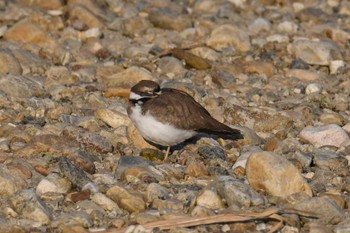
[
  {"x": 327, "y": 135},
  {"x": 317, "y": 52},
  {"x": 30, "y": 206},
  {"x": 327, "y": 211},
  {"x": 238, "y": 193},
  {"x": 76, "y": 175}
]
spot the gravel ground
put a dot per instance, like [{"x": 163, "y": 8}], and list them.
[{"x": 71, "y": 161}]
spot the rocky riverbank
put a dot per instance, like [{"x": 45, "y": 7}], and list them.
[{"x": 71, "y": 161}]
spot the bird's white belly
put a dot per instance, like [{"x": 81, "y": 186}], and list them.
[{"x": 157, "y": 132}]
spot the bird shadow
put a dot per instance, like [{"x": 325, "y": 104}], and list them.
[{"x": 193, "y": 140}]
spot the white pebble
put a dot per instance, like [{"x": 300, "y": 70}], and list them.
[
  {"x": 335, "y": 65},
  {"x": 313, "y": 88}
]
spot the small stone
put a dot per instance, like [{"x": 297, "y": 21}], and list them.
[
  {"x": 228, "y": 35},
  {"x": 275, "y": 175},
  {"x": 338, "y": 199},
  {"x": 313, "y": 88},
  {"x": 304, "y": 159},
  {"x": 210, "y": 199},
  {"x": 132, "y": 202},
  {"x": 164, "y": 18},
  {"x": 152, "y": 154},
  {"x": 331, "y": 118},
  {"x": 326, "y": 209},
  {"x": 299, "y": 64},
  {"x": 94, "y": 143},
  {"x": 342, "y": 229},
  {"x": 288, "y": 27},
  {"x": 73, "y": 218},
  {"x": 196, "y": 169},
  {"x": 9, "y": 183},
  {"x": 156, "y": 191},
  {"x": 9, "y": 64},
  {"x": 317, "y": 227},
  {"x": 136, "y": 175},
  {"x": 316, "y": 52},
  {"x": 83, "y": 14},
  {"x": 326, "y": 159},
  {"x": 76, "y": 175},
  {"x": 262, "y": 68},
  {"x": 103, "y": 201},
  {"x": 212, "y": 152},
  {"x": 112, "y": 118},
  {"x": 30, "y": 206},
  {"x": 170, "y": 66},
  {"x": 53, "y": 184},
  {"x": 257, "y": 119},
  {"x": 237, "y": 193},
  {"x": 200, "y": 211},
  {"x": 327, "y": 135},
  {"x": 302, "y": 74},
  {"x": 126, "y": 79},
  {"x": 19, "y": 86},
  {"x": 335, "y": 65},
  {"x": 127, "y": 161},
  {"x": 259, "y": 25},
  {"x": 243, "y": 158}
]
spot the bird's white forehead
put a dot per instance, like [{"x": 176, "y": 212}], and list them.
[{"x": 134, "y": 96}]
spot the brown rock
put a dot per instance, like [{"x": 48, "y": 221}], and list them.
[
  {"x": 85, "y": 15},
  {"x": 305, "y": 75},
  {"x": 19, "y": 86},
  {"x": 196, "y": 169},
  {"x": 229, "y": 35},
  {"x": 275, "y": 175},
  {"x": 125, "y": 79},
  {"x": 339, "y": 200},
  {"x": 132, "y": 202},
  {"x": 9, "y": 64},
  {"x": 326, "y": 209},
  {"x": 112, "y": 118},
  {"x": 257, "y": 119},
  {"x": 164, "y": 18},
  {"x": 27, "y": 32},
  {"x": 47, "y": 5},
  {"x": 264, "y": 68},
  {"x": 210, "y": 199}
]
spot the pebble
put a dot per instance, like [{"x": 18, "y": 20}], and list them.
[
  {"x": 210, "y": 199},
  {"x": 229, "y": 35},
  {"x": 212, "y": 152},
  {"x": 10, "y": 184},
  {"x": 237, "y": 193},
  {"x": 196, "y": 169},
  {"x": 330, "y": 160},
  {"x": 131, "y": 202},
  {"x": 76, "y": 175},
  {"x": 275, "y": 175},
  {"x": 53, "y": 184},
  {"x": 71, "y": 161},
  {"x": 327, "y": 210},
  {"x": 313, "y": 88},
  {"x": 327, "y": 135},
  {"x": 316, "y": 52},
  {"x": 20, "y": 86},
  {"x": 259, "y": 25},
  {"x": 34, "y": 208},
  {"x": 166, "y": 19}
]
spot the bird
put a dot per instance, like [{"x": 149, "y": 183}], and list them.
[{"x": 167, "y": 116}]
